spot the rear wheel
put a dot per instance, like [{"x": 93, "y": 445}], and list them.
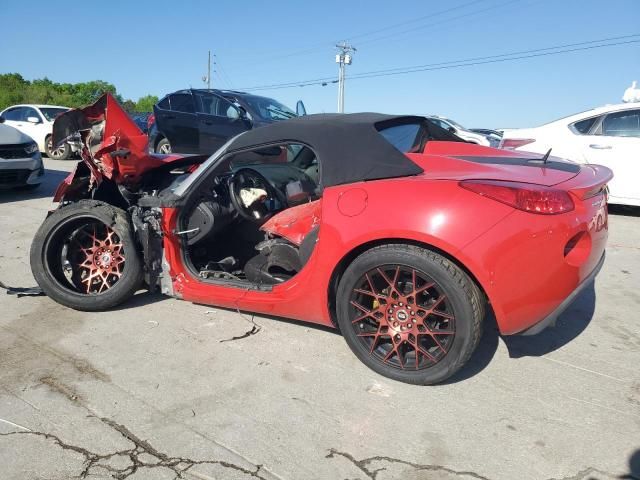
[
  {"x": 163, "y": 146},
  {"x": 84, "y": 256},
  {"x": 62, "y": 152},
  {"x": 409, "y": 313}
]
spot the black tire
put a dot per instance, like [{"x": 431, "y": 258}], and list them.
[
  {"x": 463, "y": 313},
  {"x": 54, "y": 254},
  {"x": 163, "y": 146},
  {"x": 61, "y": 153}
]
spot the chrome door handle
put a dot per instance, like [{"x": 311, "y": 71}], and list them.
[{"x": 600, "y": 147}]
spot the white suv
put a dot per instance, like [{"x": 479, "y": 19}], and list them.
[
  {"x": 36, "y": 121},
  {"x": 608, "y": 136}
]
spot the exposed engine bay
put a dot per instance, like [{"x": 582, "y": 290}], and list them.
[{"x": 256, "y": 218}]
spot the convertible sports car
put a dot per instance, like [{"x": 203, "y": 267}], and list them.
[{"x": 386, "y": 227}]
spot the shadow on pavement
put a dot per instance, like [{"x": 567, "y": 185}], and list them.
[
  {"x": 140, "y": 299},
  {"x": 634, "y": 466},
  {"x": 46, "y": 189},
  {"x": 570, "y": 324},
  {"x": 624, "y": 210},
  {"x": 484, "y": 352}
]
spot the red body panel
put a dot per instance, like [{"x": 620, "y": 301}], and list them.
[{"x": 295, "y": 222}]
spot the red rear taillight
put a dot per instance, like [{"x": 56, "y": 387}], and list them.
[
  {"x": 513, "y": 143},
  {"x": 523, "y": 196},
  {"x": 151, "y": 120}
]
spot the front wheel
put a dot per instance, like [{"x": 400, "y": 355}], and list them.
[
  {"x": 409, "y": 313},
  {"x": 84, "y": 256},
  {"x": 62, "y": 152},
  {"x": 163, "y": 147}
]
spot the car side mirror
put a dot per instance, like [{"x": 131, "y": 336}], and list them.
[
  {"x": 451, "y": 129},
  {"x": 1, "y": 119},
  {"x": 33, "y": 120},
  {"x": 243, "y": 113}
]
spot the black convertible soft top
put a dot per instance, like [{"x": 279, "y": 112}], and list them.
[{"x": 349, "y": 147}]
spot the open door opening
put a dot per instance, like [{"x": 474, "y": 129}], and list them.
[{"x": 255, "y": 218}]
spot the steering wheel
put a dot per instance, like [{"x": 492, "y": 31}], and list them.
[{"x": 248, "y": 182}]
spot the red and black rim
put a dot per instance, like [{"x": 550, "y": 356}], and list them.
[
  {"x": 402, "y": 317},
  {"x": 86, "y": 256}
]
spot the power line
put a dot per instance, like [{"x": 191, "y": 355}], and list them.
[
  {"x": 222, "y": 73},
  {"x": 500, "y": 60},
  {"x": 439, "y": 22},
  {"x": 521, "y": 52},
  {"x": 414, "y": 20},
  {"x": 519, "y": 55},
  {"x": 324, "y": 45}
]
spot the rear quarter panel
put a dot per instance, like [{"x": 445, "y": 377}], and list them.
[{"x": 436, "y": 213}]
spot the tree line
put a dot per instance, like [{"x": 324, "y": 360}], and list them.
[{"x": 15, "y": 89}]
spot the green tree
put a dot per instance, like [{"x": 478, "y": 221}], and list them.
[
  {"x": 15, "y": 89},
  {"x": 88, "y": 92},
  {"x": 129, "y": 106},
  {"x": 146, "y": 103}
]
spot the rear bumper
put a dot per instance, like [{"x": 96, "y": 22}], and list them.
[
  {"x": 529, "y": 265},
  {"x": 550, "y": 320}
]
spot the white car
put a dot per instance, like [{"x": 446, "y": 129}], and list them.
[
  {"x": 36, "y": 121},
  {"x": 459, "y": 131},
  {"x": 20, "y": 161},
  {"x": 608, "y": 136}
]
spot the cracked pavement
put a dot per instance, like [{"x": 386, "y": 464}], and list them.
[{"x": 154, "y": 390}]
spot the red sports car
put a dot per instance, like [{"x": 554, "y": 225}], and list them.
[{"x": 387, "y": 227}]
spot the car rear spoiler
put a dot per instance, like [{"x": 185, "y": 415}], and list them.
[{"x": 591, "y": 180}]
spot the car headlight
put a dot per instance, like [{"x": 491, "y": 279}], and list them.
[{"x": 31, "y": 148}]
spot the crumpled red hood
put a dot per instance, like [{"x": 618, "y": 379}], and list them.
[{"x": 113, "y": 145}]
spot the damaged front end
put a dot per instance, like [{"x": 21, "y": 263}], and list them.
[
  {"x": 113, "y": 151},
  {"x": 117, "y": 168}
]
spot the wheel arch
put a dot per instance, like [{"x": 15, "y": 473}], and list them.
[{"x": 346, "y": 260}]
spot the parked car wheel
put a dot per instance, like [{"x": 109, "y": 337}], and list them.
[
  {"x": 84, "y": 256},
  {"x": 163, "y": 146},
  {"x": 409, "y": 313},
  {"x": 62, "y": 152}
]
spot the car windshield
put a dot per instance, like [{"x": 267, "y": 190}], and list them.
[
  {"x": 50, "y": 113},
  {"x": 268, "y": 108},
  {"x": 455, "y": 124}
]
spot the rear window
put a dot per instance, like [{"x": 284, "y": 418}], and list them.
[
  {"x": 583, "y": 126},
  {"x": 402, "y": 137},
  {"x": 182, "y": 102}
]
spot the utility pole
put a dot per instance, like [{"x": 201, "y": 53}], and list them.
[
  {"x": 343, "y": 58},
  {"x": 207, "y": 77}
]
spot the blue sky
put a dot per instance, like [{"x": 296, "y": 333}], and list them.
[{"x": 160, "y": 46}]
